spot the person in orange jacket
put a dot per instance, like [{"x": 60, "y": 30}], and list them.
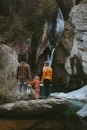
[
  {"x": 46, "y": 77},
  {"x": 36, "y": 82}
]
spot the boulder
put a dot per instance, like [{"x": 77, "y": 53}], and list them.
[
  {"x": 77, "y": 95},
  {"x": 8, "y": 66},
  {"x": 33, "y": 107}
]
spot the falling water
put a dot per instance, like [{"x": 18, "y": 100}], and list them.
[
  {"x": 59, "y": 27},
  {"x": 59, "y": 23},
  {"x": 50, "y": 57}
]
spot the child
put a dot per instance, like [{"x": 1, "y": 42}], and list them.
[{"x": 36, "y": 82}]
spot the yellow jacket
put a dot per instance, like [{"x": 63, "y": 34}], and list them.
[{"x": 47, "y": 73}]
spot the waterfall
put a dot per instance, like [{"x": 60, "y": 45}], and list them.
[
  {"x": 50, "y": 57},
  {"x": 59, "y": 23},
  {"x": 55, "y": 31}
]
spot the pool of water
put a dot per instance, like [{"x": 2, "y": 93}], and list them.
[{"x": 74, "y": 106}]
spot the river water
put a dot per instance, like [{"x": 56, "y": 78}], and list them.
[{"x": 58, "y": 122}]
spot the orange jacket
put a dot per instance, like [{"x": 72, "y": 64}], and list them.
[
  {"x": 35, "y": 83},
  {"x": 47, "y": 73}
]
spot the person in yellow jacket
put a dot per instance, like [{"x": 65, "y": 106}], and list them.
[{"x": 46, "y": 77}]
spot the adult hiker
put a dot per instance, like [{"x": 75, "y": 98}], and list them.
[
  {"x": 46, "y": 77},
  {"x": 23, "y": 75}
]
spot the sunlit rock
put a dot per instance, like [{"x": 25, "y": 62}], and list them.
[
  {"x": 33, "y": 107},
  {"x": 78, "y": 95}
]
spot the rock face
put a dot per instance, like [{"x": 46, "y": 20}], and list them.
[
  {"x": 80, "y": 41},
  {"x": 8, "y": 66},
  {"x": 71, "y": 64},
  {"x": 83, "y": 1},
  {"x": 33, "y": 107},
  {"x": 66, "y": 6}
]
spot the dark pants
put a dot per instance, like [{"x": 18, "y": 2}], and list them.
[{"x": 46, "y": 83}]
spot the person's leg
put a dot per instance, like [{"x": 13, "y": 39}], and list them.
[
  {"x": 24, "y": 87},
  {"x": 20, "y": 86},
  {"x": 19, "y": 90},
  {"x": 46, "y": 87},
  {"x": 37, "y": 93}
]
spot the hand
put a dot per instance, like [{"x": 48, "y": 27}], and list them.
[{"x": 41, "y": 81}]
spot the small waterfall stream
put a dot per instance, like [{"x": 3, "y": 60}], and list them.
[
  {"x": 59, "y": 23},
  {"x": 55, "y": 31},
  {"x": 50, "y": 57}
]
